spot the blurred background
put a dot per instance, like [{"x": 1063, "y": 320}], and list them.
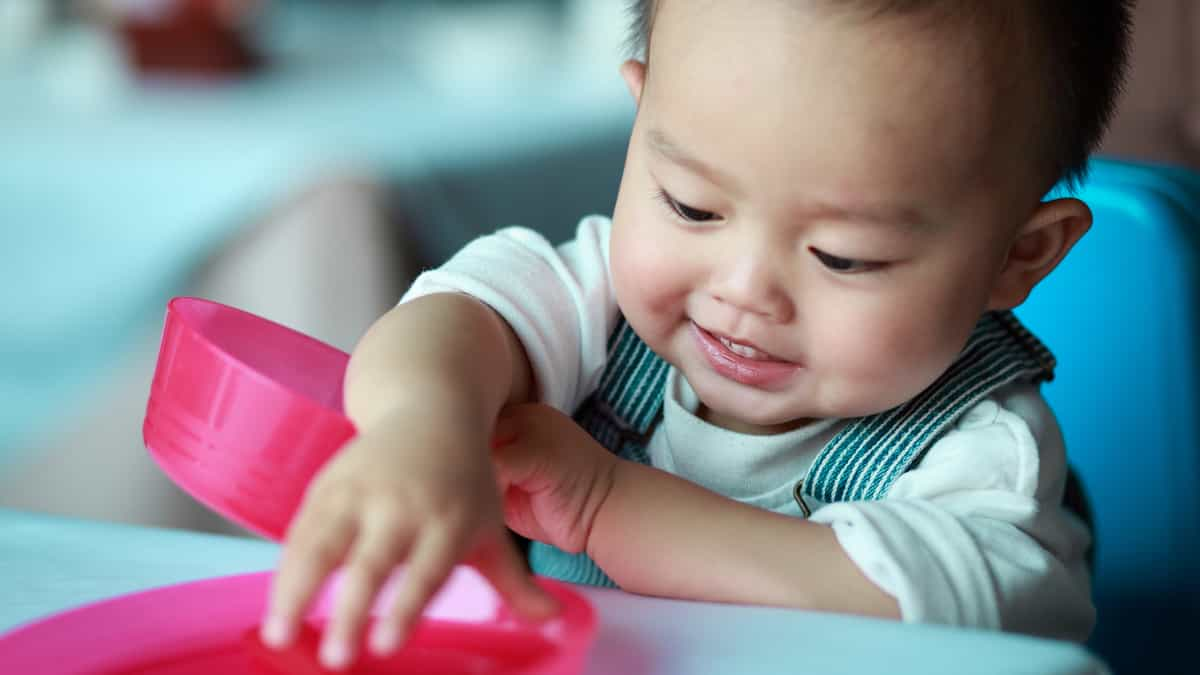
[{"x": 303, "y": 159}]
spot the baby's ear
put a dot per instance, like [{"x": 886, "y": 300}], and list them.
[
  {"x": 1041, "y": 243},
  {"x": 634, "y": 74}
]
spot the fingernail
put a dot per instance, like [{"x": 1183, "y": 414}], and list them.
[
  {"x": 549, "y": 605},
  {"x": 504, "y": 433},
  {"x": 274, "y": 632},
  {"x": 543, "y": 600},
  {"x": 334, "y": 654},
  {"x": 536, "y": 608},
  {"x": 384, "y": 638},
  {"x": 501, "y": 441}
]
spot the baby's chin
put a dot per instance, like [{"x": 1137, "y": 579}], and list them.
[
  {"x": 775, "y": 412},
  {"x": 750, "y": 416},
  {"x": 758, "y": 426}
]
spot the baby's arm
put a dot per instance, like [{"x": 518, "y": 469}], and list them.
[
  {"x": 557, "y": 300},
  {"x": 423, "y": 388},
  {"x": 658, "y": 534},
  {"x": 437, "y": 341},
  {"x": 973, "y": 536}
]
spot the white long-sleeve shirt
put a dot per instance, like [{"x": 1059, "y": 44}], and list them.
[{"x": 973, "y": 535}]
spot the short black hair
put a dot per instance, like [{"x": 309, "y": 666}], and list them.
[{"x": 1084, "y": 51}]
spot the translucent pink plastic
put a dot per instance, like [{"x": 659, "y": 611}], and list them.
[
  {"x": 209, "y": 627},
  {"x": 243, "y": 411}
]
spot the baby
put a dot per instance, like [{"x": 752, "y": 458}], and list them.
[{"x": 790, "y": 369}]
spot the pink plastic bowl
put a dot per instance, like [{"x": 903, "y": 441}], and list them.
[{"x": 243, "y": 411}]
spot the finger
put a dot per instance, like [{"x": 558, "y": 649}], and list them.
[
  {"x": 502, "y": 565},
  {"x": 518, "y": 515},
  {"x": 312, "y": 551},
  {"x": 380, "y": 546},
  {"x": 433, "y": 557},
  {"x": 516, "y": 460},
  {"x": 506, "y": 429}
]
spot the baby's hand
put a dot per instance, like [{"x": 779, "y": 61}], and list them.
[
  {"x": 408, "y": 489},
  {"x": 555, "y": 477}
]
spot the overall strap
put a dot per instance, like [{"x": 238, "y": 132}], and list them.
[
  {"x": 868, "y": 455},
  {"x": 627, "y": 405},
  {"x": 621, "y": 414}
]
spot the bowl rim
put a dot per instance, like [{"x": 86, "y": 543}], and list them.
[{"x": 176, "y": 309}]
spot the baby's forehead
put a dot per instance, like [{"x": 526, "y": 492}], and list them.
[
  {"x": 998, "y": 40},
  {"x": 955, "y": 16},
  {"x": 951, "y": 66},
  {"x": 859, "y": 106},
  {"x": 953, "y": 70},
  {"x": 1054, "y": 66}
]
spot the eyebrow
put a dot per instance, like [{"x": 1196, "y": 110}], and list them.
[
  {"x": 660, "y": 143},
  {"x": 874, "y": 214},
  {"x": 882, "y": 215}
]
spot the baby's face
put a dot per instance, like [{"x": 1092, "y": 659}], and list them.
[{"x": 814, "y": 208}]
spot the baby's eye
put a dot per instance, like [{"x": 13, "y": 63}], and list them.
[
  {"x": 692, "y": 215},
  {"x": 845, "y": 265}
]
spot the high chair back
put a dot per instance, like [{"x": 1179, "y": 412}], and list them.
[{"x": 1122, "y": 314}]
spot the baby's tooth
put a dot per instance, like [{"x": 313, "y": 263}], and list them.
[{"x": 741, "y": 350}]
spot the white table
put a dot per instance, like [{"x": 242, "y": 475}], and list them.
[{"x": 48, "y": 564}]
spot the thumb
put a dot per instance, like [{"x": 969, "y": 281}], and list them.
[
  {"x": 506, "y": 430},
  {"x": 515, "y": 459},
  {"x": 502, "y": 566}
]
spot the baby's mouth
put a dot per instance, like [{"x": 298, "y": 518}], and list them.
[
  {"x": 741, "y": 362},
  {"x": 745, "y": 350}
]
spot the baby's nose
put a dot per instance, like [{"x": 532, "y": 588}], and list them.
[{"x": 750, "y": 284}]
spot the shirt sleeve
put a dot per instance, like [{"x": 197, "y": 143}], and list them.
[
  {"x": 558, "y": 301},
  {"x": 975, "y": 534}
]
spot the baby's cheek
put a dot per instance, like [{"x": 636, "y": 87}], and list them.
[
  {"x": 880, "y": 364},
  {"x": 623, "y": 264},
  {"x": 642, "y": 270}
]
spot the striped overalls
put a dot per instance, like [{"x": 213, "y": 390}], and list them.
[{"x": 860, "y": 463}]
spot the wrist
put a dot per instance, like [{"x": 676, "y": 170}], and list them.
[{"x": 604, "y": 498}]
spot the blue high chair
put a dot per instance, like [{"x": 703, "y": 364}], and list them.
[{"x": 1122, "y": 314}]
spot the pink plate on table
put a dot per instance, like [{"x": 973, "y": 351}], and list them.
[
  {"x": 210, "y": 627},
  {"x": 243, "y": 411}
]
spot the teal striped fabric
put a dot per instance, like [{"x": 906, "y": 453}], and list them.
[
  {"x": 627, "y": 404},
  {"x": 621, "y": 415},
  {"x": 860, "y": 463},
  {"x": 863, "y": 461}
]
